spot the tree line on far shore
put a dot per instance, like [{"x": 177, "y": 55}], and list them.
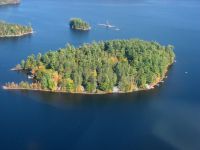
[
  {"x": 79, "y": 24},
  {"x": 9, "y": 30}
]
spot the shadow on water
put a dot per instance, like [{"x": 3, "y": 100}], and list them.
[
  {"x": 78, "y": 36},
  {"x": 9, "y": 6},
  {"x": 66, "y": 100},
  {"x": 63, "y": 100},
  {"x": 15, "y": 39}
]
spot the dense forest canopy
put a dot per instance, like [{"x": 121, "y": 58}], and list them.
[
  {"x": 79, "y": 24},
  {"x": 9, "y": 30},
  {"x": 5, "y": 2},
  {"x": 126, "y": 65}
]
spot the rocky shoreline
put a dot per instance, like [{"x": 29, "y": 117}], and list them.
[
  {"x": 18, "y": 35},
  {"x": 9, "y": 2},
  {"x": 81, "y": 29},
  {"x": 98, "y": 92}
]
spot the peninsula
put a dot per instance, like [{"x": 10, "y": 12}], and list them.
[
  {"x": 79, "y": 24},
  {"x": 13, "y": 30},
  {"x": 9, "y": 2},
  {"x": 116, "y": 66}
]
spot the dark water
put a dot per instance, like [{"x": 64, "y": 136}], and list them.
[{"x": 167, "y": 118}]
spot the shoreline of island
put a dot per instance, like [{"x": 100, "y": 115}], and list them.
[
  {"x": 84, "y": 93},
  {"x": 81, "y": 29},
  {"x": 98, "y": 92},
  {"x": 18, "y": 35},
  {"x": 11, "y": 30},
  {"x": 15, "y": 2}
]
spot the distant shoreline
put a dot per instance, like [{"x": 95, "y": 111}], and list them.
[
  {"x": 81, "y": 29},
  {"x": 15, "y": 2},
  {"x": 18, "y": 35}
]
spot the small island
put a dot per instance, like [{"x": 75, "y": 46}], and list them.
[
  {"x": 116, "y": 66},
  {"x": 79, "y": 24},
  {"x": 9, "y": 2},
  {"x": 13, "y": 30}
]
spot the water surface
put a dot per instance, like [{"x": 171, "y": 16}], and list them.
[{"x": 164, "y": 118}]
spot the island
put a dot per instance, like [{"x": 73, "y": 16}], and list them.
[
  {"x": 79, "y": 24},
  {"x": 14, "y": 30},
  {"x": 9, "y": 2},
  {"x": 115, "y": 66}
]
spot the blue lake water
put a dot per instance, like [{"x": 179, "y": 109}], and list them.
[{"x": 166, "y": 118}]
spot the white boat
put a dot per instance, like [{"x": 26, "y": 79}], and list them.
[
  {"x": 30, "y": 76},
  {"x": 107, "y": 25}
]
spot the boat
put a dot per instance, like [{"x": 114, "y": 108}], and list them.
[
  {"x": 107, "y": 25},
  {"x": 30, "y": 76}
]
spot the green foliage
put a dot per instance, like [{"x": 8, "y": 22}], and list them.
[
  {"x": 24, "y": 85},
  {"x": 9, "y": 30},
  {"x": 30, "y": 62},
  {"x": 69, "y": 85},
  {"x": 127, "y": 64},
  {"x": 125, "y": 84},
  {"x": 46, "y": 80},
  {"x": 79, "y": 24}
]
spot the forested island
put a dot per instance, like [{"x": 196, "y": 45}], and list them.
[
  {"x": 116, "y": 66},
  {"x": 79, "y": 24},
  {"x": 9, "y": 2},
  {"x": 14, "y": 30}
]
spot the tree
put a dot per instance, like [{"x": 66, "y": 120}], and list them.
[
  {"x": 69, "y": 84},
  {"x": 79, "y": 24},
  {"x": 128, "y": 64}
]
